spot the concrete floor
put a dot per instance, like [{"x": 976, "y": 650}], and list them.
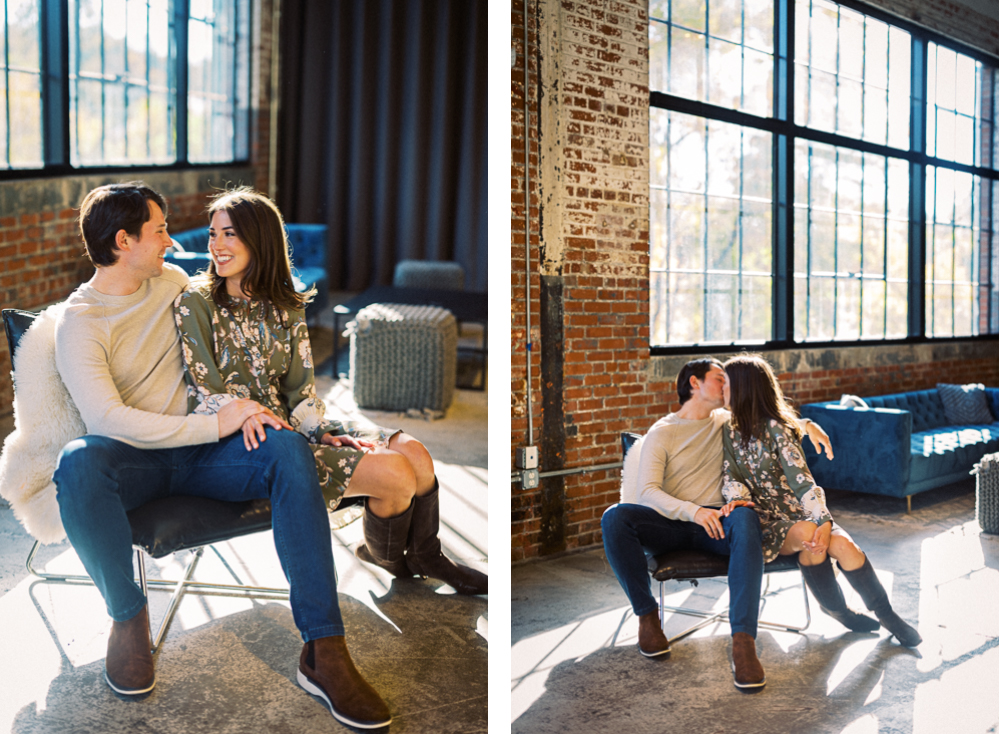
[
  {"x": 575, "y": 666},
  {"x": 228, "y": 663}
]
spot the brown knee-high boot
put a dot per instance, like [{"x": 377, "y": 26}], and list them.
[
  {"x": 385, "y": 540},
  {"x": 423, "y": 553},
  {"x": 872, "y": 593},
  {"x": 823, "y": 585}
]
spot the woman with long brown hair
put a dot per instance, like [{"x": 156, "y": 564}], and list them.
[
  {"x": 243, "y": 335},
  {"x": 763, "y": 463}
]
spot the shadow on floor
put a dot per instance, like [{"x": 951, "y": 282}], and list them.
[{"x": 237, "y": 673}]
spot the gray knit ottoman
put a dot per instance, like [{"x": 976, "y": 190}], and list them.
[
  {"x": 987, "y": 507},
  {"x": 403, "y": 357}
]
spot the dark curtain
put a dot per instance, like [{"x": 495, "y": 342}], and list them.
[{"x": 383, "y": 132}]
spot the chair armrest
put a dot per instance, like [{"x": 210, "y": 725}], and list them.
[{"x": 871, "y": 448}]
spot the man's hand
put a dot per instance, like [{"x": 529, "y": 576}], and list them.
[
  {"x": 711, "y": 520},
  {"x": 817, "y": 435},
  {"x": 345, "y": 440},
  {"x": 234, "y": 416},
  {"x": 820, "y": 541},
  {"x": 730, "y": 506}
]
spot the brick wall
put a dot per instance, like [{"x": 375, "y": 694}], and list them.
[
  {"x": 588, "y": 130},
  {"x": 592, "y": 375},
  {"x": 41, "y": 253},
  {"x": 951, "y": 19}
]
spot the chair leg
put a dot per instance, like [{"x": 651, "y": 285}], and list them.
[
  {"x": 178, "y": 587},
  {"x": 712, "y": 617},
  {"x": 175, "y": 598}
]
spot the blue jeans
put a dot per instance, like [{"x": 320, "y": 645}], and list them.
[
  {"x": 632, "y": 531},
  {"x": 99, "y": 479}
]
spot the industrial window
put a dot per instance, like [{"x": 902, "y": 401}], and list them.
[
  {"x": 218, "y": 80},
  {"x": 113, "y": 83},
  {"x": 20, "y": 85},
  {"x": 120, "y": 83},
  {"x": 710, "y": 192},
  {"x": 799, "y": 189}
]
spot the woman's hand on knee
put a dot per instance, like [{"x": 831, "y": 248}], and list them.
[
  {"x": 820, "y": 541},
  {"x": 346, "y": 440},
  {"x": 730, "y": 506}
]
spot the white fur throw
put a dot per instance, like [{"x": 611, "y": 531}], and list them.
[
  {"x": 45, "y": 420},
  {"x": 630, "y": 474}
]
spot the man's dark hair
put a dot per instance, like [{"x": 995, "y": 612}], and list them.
[
  {"x": 108, "y": 209},
  {"x": 696, "y": 368}
]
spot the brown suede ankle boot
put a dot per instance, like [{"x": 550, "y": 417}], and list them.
[
  {"x": 652, "y": 641},
  {"x": 128, "y": 668},
  {"x": 326, "y": 670},
  {"x": 748, "y": 673}
]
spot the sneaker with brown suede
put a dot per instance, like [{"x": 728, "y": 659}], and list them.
[
  {"x": 128, "y": 668},
  {"x": 748, "y": 673},
  {"x": 652, "y": 641},
  {"x": 327, "y": 671}
]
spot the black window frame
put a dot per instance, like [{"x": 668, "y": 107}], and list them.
[
  {"x": 785, "y": 132},
  {"x": 54, "y": 38}
]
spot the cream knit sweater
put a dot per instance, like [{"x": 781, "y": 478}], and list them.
[
  {"x": 679, "y": 466},
  {"x": 120, "y": 359}
]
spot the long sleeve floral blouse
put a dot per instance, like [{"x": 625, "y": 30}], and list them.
[
  {"x": 773, "y": 474},
  {"x": 262, "y": 353}
]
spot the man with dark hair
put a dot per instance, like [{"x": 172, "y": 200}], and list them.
[
  {"x": 119, "y": 354},
  {"x": 111, "y": 208},
  {"x": 672, "y": 499}
]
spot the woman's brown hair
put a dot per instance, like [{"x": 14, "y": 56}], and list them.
[
  {"x": 755, "y": 397},
  {"x": 259, "y": 226}
]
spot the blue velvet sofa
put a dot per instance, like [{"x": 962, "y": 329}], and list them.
[
  {"x": 308, "y": 251},
  {"x": 899, "y": 446}
]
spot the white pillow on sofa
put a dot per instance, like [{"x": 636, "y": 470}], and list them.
[{"x": 852, "y": 401}]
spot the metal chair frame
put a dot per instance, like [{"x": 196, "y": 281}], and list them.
[
  {"x": 723, "y": 615},
  {"x": 180, "y": 587}
]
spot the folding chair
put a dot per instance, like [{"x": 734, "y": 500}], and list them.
[
  {"x": 691, "y": 565},
  {"x": 171, "y": 524}
]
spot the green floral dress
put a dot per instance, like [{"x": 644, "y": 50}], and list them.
[
  {"x": 262, "y": 353},
  {"x": 773, "y": 475}
]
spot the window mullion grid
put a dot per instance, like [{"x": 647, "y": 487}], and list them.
[
  {"x": 670, "y": 220},
  {"x": 861, "y": 252},
  {"x": 836, "y": 235},
  {"x": 6, "y": 75},
  {"x": 180, "y": 67},
  {"x": 885, "y": 243},
  {"x": 783, "y": 178},
  {"x": 235, "y": 79},
  {"x": 704, "y": 208},
  {"x": 127, "y": 81},
  {"x": 739, "y": 244},
  {"x": 104, "y": 83},
  {"x": 952, "y": 243},
  {"x": 704, "y": 244},
  {"x": 809, "y": 244},
  {"x": 149, "y": 91}
]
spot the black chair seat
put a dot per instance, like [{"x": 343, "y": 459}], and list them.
[
  {"x": 172, "y": 524},
  {"x": 683, "y": 565}
]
